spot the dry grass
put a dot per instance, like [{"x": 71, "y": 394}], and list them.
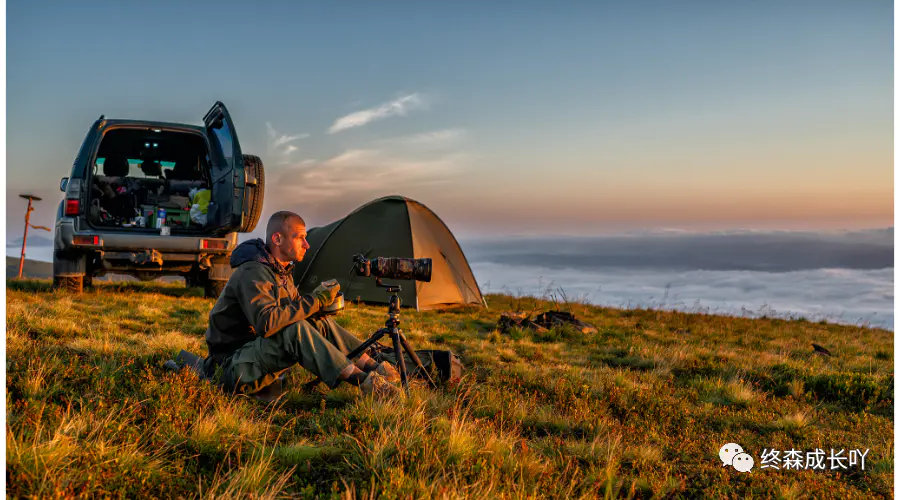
[{"x": 638, "y": 410}]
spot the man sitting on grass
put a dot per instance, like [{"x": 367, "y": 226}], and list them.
[{"x": 261, "y": 326}]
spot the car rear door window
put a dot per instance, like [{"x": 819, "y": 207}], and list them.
[{"x": 223, "y": 136}]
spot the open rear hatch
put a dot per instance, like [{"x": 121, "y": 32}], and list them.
[{"x": 151, "y": 180}]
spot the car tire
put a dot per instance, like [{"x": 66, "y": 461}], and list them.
[
  {"x": 213, "y": 288},
  {"x": 256, "y": 194},
  {"x": 73, "y": 284}
]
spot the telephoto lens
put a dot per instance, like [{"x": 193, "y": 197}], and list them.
[{"x": 400, "y": 268}]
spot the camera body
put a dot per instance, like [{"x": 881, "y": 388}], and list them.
[{"x": 398, "y": 268}]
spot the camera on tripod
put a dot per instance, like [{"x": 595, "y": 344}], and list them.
[{"x": 397, "y": 268}]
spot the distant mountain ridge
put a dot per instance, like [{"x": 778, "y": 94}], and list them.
[{"x": 34, "y": 240}]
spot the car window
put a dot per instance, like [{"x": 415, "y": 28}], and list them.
[
  {"x": 223, "y": 135},
  {"x": 134, "y": 168}
]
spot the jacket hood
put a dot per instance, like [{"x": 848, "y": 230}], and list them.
[
  {"x": 250, "y": 250},
  {"x": 256, "y": 251}
]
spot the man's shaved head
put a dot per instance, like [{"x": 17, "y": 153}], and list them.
[
  {"x": 277, "y": 222},
  {"x": 286, "y": 237}
]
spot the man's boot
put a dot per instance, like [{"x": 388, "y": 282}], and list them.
[
  {"x": 377, "y": 385},
  {"x": 388, "y": 371}
]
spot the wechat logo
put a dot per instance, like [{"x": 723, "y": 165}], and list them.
[{"x": 733, "y": 454}]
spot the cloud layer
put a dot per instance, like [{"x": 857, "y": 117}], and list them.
[
  {"x": 841, "y": 277},
  {"x": 398, "y": 107},
  {"x": 849, "y": 296},
  {"x": 747, "y": 251}
]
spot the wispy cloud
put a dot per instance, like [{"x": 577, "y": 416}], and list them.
[
  {"x": 279, "y": 145},
  {"x": 398, "y": 107},
  {"x": 328, "y": 189},
  {"x": 358, "y": 171}
]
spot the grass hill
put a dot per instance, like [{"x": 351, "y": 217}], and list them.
[
  {"x": 30, "y": 268},
  {"x": 638, "y": 410}
]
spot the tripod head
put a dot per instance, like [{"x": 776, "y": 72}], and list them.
[
  {"x": 394, "y": 306},
  {"x": 388, "y": 287}
]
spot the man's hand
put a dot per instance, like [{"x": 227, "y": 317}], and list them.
[{"x": 326, "y": 292}]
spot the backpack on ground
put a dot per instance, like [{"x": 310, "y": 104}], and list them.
[
  {"x": 551, "y": 319},
  {"x": 443, "y": 366},
  {"x": 543, "y": 323}
]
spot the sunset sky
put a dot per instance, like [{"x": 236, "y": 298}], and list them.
[{"x": 543, "y": 118}]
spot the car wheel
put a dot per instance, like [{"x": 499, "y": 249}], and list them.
[
  {"x": 255, "y": 166},
  {"x": 74, "y": 284},
  {"x": 213, "y": 288}
]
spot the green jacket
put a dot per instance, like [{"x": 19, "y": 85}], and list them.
[{"x": 259, "y": 299}]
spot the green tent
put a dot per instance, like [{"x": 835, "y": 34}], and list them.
[{"x": 392, "y": 226}]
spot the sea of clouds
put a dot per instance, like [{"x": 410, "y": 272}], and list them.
[{"x": 842, "y": 277}]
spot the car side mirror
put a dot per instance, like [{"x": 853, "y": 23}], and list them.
[{"x": 63, "y": 183}]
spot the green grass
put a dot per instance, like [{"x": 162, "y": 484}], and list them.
[{"x": 638, "y": 410}]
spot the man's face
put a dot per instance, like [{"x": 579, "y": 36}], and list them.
[{"x": 291, "y": 241}]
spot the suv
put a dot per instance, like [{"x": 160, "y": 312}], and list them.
[{"x": 154, "y": 199}]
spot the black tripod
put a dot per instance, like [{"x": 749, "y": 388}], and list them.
[{"x": 391, "y": 327}]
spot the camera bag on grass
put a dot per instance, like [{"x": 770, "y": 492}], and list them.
[
  {"x": 509, "y": 320},
  {"x": 543, "y": 323},
  {"x": 551, "y": 319},
  {"x": 444, "y": 364}
]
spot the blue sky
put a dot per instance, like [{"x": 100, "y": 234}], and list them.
[{"x": 544, "y": 118}]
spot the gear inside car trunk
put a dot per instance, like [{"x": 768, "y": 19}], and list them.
[{"x": 151, "y": 180}]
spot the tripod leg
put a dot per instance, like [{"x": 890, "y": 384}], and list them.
[
  {"x": 395, "y": 336},
  {"x": 416, "y": 360},
  {"x": 355, "y": 352}
]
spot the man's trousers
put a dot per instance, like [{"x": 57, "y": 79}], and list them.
[{"x": 320, "y": 345}]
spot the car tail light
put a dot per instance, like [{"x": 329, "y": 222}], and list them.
[
  {"x": 213, "y": 244},
  {"x": 72, "y": 207},
  {"x": 86, "y": 240},
  {"x": 73, "y": 195}
]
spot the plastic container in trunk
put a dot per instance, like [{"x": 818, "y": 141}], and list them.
[{"x": 174, "y": 218}]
